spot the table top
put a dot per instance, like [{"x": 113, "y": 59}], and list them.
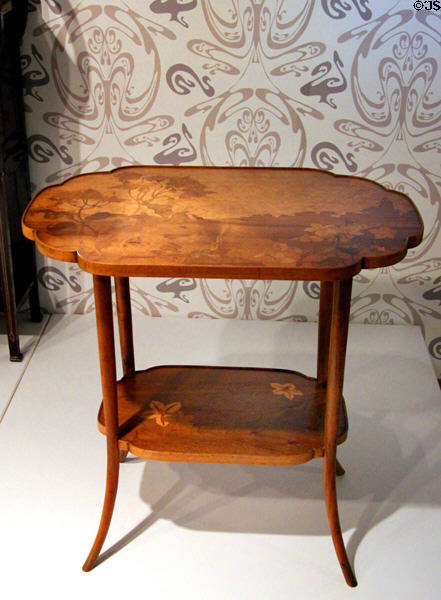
[{"x": 251, "y": 223}]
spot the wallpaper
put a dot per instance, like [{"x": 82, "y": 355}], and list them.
[{"x": 350, "y": 86}]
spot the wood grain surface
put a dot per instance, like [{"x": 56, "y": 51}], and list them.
[
  {"x": 223, "y": 415},
  {"x": 223, "y": 222}
]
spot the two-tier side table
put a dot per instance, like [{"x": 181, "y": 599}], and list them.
[{"x": 250, "y": 223}]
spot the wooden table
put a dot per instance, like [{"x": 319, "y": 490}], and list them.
[{"x": 292, "y": 224}]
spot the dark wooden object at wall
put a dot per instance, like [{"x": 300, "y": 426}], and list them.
[
  {"x": 235, "y": 223},
  {"x": 17, "y": 258}
]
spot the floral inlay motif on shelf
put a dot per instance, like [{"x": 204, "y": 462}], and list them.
[
  {"x": 288, "y": 390},
  {"x": 164, "y": 414}
]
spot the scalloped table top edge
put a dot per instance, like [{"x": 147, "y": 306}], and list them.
[{"x": 223, "y": 222}]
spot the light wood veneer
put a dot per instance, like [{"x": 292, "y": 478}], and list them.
[{"x": 221, "y": 222}]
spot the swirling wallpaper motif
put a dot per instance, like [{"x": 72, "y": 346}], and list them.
[{"x": 348, "y": 86}]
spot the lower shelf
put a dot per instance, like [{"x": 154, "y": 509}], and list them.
[{"x": 222, "y": 415}]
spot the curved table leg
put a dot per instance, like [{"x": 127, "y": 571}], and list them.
[
  {"x": 337, "y": 352},
  {"x": 124, "y": 311},
  {"x": 324, "y": 330},
  {"x": 104, "y": 319},
  {"x": 324, "y": 333}
]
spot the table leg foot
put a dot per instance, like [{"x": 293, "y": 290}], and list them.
[
  {"x": 329, "y": 473},
  {"x": 339, "y": 469},
  {"x": 108, "y": 506}
]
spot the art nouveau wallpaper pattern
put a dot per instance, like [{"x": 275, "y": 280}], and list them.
[{"x": 351, "y": 86}]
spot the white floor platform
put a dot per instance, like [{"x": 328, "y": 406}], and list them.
[
  {"x": 220, "y": 532},
  {"x": 11, "y": 372}
]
